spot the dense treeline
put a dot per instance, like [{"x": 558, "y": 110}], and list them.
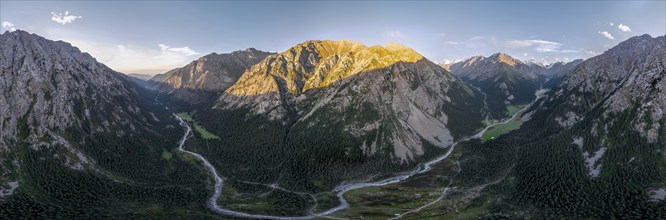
[
  {"x": 262, "y": 199},
  {"x": 303, "y": 158},
  {"x": 547, "y": 176},
  {"x": 50, "y": 189},
  {"x": 465, "y": 115},
  {"x": 522, "y": 91}
]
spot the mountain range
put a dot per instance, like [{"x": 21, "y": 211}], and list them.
[{"x": 290, "y": 129}]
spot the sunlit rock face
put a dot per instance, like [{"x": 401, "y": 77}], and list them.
[
  {"x": 316, "y": 64},
  {"x": 310, "y": 65}
]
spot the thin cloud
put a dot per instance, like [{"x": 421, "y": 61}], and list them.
[
  {"x": 624, "y": 28},
  {"x": 8, "y": 26},
  {"x": 478, "y": 42},
  {"x": 394, "y": 34},
  {"x": 570, "y": 51},
  {"x": 537, "y": 45},
  {"x": 136, "y": 58},
  {"x": 451, "y": 43},
  {"x": 64, "y": 19},
  {"x": 591, "y": 53},
  {"x": 606, "y": 35},
  {"x": 478, "y": 38},
  {"x": 186, "y": 51}
]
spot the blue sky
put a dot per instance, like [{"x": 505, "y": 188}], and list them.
[{"x": 154, "y": 36}]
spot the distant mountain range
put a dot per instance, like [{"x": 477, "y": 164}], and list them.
[{"x": 506, "y": 81}]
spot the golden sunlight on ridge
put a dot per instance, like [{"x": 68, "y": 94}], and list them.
[{"x": 317, "y": 64}]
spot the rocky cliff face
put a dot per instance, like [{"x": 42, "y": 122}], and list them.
[
  {"x": 212, "y": 73},
  {"x": 505, "y": 80},
  {"x": 50, "y": 89},
  {"x": 313, "y": 64},
  {"x": 52, "y": 85},
  {"x": 366, "y": 89},
  {"x": 626, "y": 78}
]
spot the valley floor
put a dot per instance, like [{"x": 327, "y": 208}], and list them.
[{"x": 409, "y": 194}]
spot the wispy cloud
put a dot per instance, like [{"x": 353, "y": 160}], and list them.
[
  {"x": 64, "y": 18},
  {"x": 606, "y": 35},
  {"x": 537, "y": 45},
  {"x": 8, "y": 26},
  {"x": 186, "y": 51},
  {"x": 394, "y": 34},
  {"x": 451, "y": 43},
  {"x": 624, "y": 28}
]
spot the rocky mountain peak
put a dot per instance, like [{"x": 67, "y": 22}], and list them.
[
  {"x": 505, "y": 80},
  {"x": 504, "y": 58},
  {"x": 36, "y": 45},
  {"x": 317, "y": 64},
  {"x": 251, "y": 50},
  {"x": 52, "y": 83},
  {"x": 480, "y": 67}
]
